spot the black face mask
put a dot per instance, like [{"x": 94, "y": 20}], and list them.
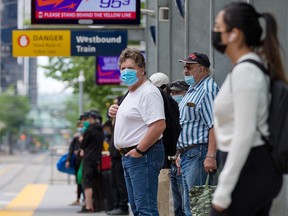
[{"x": 217, "y": 42}]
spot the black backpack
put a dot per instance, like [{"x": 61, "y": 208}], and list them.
[
  {"x": 277, "y": 120},
  {"x": 173, "y": 127}
]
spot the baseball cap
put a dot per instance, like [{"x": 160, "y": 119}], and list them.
[
  {"x": 84, "y": 116},
  {"x": 95, "y": 114},
  {"x": 179, "y": 85},
  {"x": 199, "y": 58},
  {"x": 158, "y": 79}
]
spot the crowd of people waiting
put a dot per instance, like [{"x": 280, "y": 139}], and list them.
[{"x": 134, "y": 132}]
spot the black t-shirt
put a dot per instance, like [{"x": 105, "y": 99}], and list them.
[
  {"x": 92, "y": 143},
  {"x": 74, "y": 145}
]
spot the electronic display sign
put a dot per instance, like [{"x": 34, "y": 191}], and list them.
[
  {"x": 107, "y": 70},
  {"x": 87, "y": 12}
]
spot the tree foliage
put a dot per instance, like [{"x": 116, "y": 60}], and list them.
[
  {"x": 13, "y": 112},
  {"x": 67, "y": 71},
  {"x": 72, "y": 110}
]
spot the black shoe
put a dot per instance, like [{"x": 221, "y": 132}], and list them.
[
  {"x": 85, "y": 210},
  {"x": 117, "y": 211}
]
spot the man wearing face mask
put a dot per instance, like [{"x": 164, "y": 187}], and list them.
[
  {"x": 74, "y": 149},
  {"x": 178, "y": 89},
  {"x": 196, "y": 143},
  {"x": 139, "y": 124},
  {"x": 91, "y": 151}
]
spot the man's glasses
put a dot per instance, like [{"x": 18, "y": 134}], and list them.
[
  {"x": 190, "y": 67},
  {"x": 187, "y": 67}
]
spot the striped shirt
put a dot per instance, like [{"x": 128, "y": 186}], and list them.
[{"x": 196, "y": 114}]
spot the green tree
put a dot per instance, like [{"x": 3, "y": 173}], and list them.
[
  {"x": 13, "y": 112},
  {"x": 72, "y": 110},
  {"x": 67, "y": 71}
]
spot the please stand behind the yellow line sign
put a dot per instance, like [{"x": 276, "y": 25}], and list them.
[{"x": 41, "y": 43}]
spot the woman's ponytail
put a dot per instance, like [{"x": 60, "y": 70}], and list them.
[{"x": 271, "y": 48}]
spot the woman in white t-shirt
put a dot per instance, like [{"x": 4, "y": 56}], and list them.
[{"x": 249, "y": 180}]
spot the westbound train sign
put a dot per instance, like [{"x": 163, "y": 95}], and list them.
[
  {"x": 105, "y": 43},
  {"x": 68, "y": 42}
]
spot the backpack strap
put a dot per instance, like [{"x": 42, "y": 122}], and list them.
[
  {"x": 122, "y": 99},
  {"x": 258, "y": 64},
  {"x": 266, "y": 72}
]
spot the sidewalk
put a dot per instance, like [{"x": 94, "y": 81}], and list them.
[
  {"x": 56, "y": 202},
  {"x": 60, "y": 193}
]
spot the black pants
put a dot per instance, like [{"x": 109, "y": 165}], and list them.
[
  {"x": 118, "y": 185},
  {"x": 258, "y": 184},
  {"x": 107, "y": 191}
]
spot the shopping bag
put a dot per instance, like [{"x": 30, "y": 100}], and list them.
[
  {"x": 79, "y": 173},
  {"x": 105, "y": 161},
  {"x": 61, "y": 164},
  {"x": 200, "y": 198}
]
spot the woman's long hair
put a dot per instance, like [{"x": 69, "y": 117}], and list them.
[{"x": 244, "y": 17}]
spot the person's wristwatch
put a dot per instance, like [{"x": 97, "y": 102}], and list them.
[
  {"x": 139, "y": 151},
  {"x": 211, "y": 156}
]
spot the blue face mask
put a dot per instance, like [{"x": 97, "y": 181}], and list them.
[
  {"x": 129, "y": 77},
  {"x": 177, "y": 98},
  {"x": 190, "y": 80}
]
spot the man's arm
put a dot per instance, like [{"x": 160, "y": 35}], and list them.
[
  {"x": 70, "y": 152},
  {"x": 210, "y": 163},
  {"x": 113, "y": 110}
]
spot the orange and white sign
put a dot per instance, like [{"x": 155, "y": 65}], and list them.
[{"x": 41, "y": 43}]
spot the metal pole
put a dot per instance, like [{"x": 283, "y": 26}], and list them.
[
  {"x": 211, "y": 50},
  {"x": 1, "y": 9},
  {"x": 80, "y": 98},
  {"x": 81, "y": 80},
  {"x": 186, "y": 29}
]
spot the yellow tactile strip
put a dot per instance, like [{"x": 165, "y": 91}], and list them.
[
  {"x": 26, "y": 202},
  {"x": 5, "y": 169}
]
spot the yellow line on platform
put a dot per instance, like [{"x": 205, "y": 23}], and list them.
[
  {"x": 5, "y": 169},
  {"x": 26, "y": 202}
]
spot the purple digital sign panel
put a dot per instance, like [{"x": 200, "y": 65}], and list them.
[
  {"x": 107, "y": 70},
  {"x": 85, "y": 12}
]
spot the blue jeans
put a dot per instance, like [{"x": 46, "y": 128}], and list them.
[
  {"x": 193, "y": 172},
  {"x": 177, "y": 190},
  {"x": 141, "y": 177}
]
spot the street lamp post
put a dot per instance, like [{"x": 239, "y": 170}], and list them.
[
  {"x": 1, "y": 9},
  {"x": 81, "y": 80}
]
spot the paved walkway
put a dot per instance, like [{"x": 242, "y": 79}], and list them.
[
  {"x": 45, "y": 199},
  {"x": 56, "y": 202}
]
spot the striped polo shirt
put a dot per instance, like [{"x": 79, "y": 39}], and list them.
[{"x": 196, "y": 114}]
